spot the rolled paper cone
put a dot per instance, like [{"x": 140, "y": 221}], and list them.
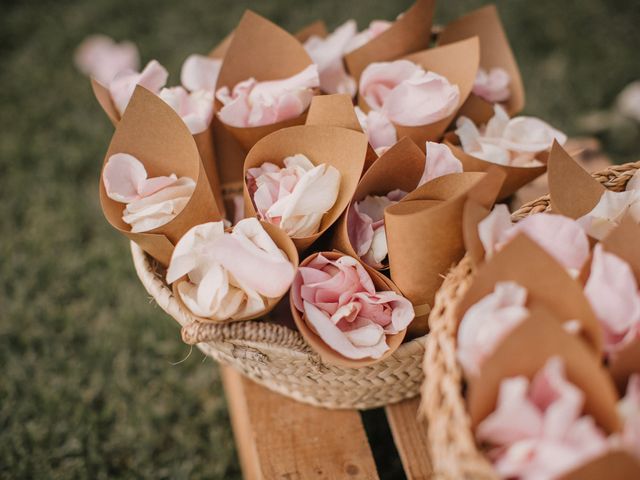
[
  {"x": 547, "y": 283},
  {"x": 410, "y": 33},
  {"x": 317, "y": 29},
  {"x": 260, "y": 49},
  {"x": 341, "y": 148},
  {"x": 612, "y": 465},
  {"x": 204, "y": 141},
  {"x": 284, "y": 243},
  {"x": 399, "y": 167},
  {"x": 457, "y": 62},
  {"x": 495, "y": 52},
  {"x": 525, "y": 351},
  {"x": 625, "y": 363},
  {"x": 573, "y": 191},
  {"x": 153, "y": 133},
  {"x": 327, "y": 354},
  {"x": 424, "y": 235},
  {"x": 337, "y": 110},
  {"x": 516, "y": 177}
]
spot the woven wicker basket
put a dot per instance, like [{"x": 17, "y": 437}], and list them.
[
  {"x": 278, "y": 357},
  {"x": 454, "y": 452}
]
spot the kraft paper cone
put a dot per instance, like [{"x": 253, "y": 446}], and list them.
[
  {"x": 472, "y": 215},
  {"x": 153, "y": 133},
  {"x": 525, "y": 351},
  {"x": 204, "y": 141},
  {"x": 516, "y": 177},
  {"x": 424, "y": 235},
  {"x": 317, "y": 29},
  {"x": 284, "y": 243},
  {"x": 573, "y": 191},
  {"x": 494, "y": 52},
  {"x": 103, "y": 96},
  {"x": 329, "y": 355},
  {"x": 341, "y": 148},
  {"x": 548, "y": 284},
  {"x": 410, "y": 33},
  {"x": 624, "y": 242},
  {"x": 220, "y": 50},
  {"x": 337, "y": 110},
  {"x": 458, "y": 62},
  {"x": 264, "y": 51},
  {"x": 613, "y": 465},
  {"x": 399, "y": 167}
]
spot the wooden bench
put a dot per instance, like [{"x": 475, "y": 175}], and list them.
[{"x": 278, "y": 438}]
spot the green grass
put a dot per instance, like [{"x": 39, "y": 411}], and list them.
[{"x": 89, "y": 385}]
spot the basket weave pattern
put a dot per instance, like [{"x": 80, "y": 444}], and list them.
[
  {"x": 278, "y": 357},
  {"x": 454, "y": 452}
]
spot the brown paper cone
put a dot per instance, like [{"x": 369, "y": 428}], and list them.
[
  {"x": 337, "y": 110},
  {"x": 284, "y": 243},
  {"x": 220, "y": 50},
  {"x": 339, "y": 147},
  {"x": 494, "y": 52},
  {"x": 399, "y": 167},
  {"x": 262, "y": 50},
  {"x": 153, "y": 133},
  {"x": 409, "y": 33},
  {"x": 525, "y": 351},
  {"x": 204, "y": 141},
  {"x": 317, "y": 29},
  {"x": 458, "y": 62},
  {"x": 424, "y": 235},
  {"x": 612, "y": 465},
  {"x": 329, "y": 355},
  {"x": 547, "y": 283},
  {"x": 516, "y": 177},
  {"x": 573, "y": 191}
]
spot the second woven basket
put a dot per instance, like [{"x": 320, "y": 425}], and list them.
[{"x": 454, "y": 452}]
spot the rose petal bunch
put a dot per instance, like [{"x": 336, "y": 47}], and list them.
[
  {"x": 407, "y": 94},
  {"x": 253, "y": 104},
  {"x": 508, "y": 141},
  {"x": 294, "y": 197},
  {"x": 341, "y": 305},
  {"x": 150, "y": 202},
  {"x": 492, "y": 85},
  {"x": 229, "y": 276}
]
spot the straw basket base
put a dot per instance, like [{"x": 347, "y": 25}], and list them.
[{"x": 279, "y": 358}]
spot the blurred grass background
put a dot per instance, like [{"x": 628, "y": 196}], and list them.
[{"x": 90, "y": 384}]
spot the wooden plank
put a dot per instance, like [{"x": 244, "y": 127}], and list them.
[
  {"x": 281, "y": 439},
  {"x": 410, "y": 437}
]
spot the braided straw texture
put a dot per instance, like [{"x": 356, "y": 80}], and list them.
[
  {"x": 278, "y": 357},
  {"x": 454, "y": 452}
]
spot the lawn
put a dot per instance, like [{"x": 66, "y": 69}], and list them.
[{"x": 95, "y": 382}]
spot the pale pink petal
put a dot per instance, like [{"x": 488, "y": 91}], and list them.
[
  {"x": 379, "y": 79},
  {"x": 439, "y": 161},
  {"x": 609, "y": 211},
  {"x": 195, "y": 108},
  {"x": 613, "y": 293},
  {"x": 200, "y": 72},
  {"x": 488, "y": 322},
  {"x": 376, "y": 27},
  {"x": 122, "y": 176},
  {"x": 153, "y": 78},
  {"x": 379, "y": 129},
  {"x": 422, "y": 101},
  {"x": 100, "y": 57},
  {"x": 493, "y": 227},
  {"x": 492, "y": 85}
]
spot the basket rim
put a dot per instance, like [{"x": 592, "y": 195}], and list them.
[{"x": 452, "y": 445}]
